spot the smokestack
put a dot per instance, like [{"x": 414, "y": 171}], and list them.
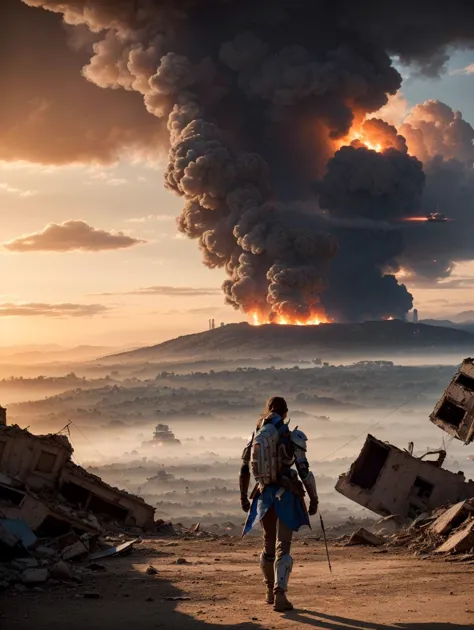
[
  {"x": 3, "y": 417},
  {"x": 415, "y": 316}
]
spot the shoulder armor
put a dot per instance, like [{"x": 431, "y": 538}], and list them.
[{"x": 299, "y": 439}]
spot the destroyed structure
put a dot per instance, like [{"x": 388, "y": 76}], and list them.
[
  {"x": 41, "y": 485},
  {"x": 388, "y": 480},
  {"x": 454, "y": 413}
]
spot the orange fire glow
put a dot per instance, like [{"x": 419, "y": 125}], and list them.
[
  {"x": 357, "y": 133},
  {"x": 258, "y": 319},
  {"x": 416, "y": 219}
]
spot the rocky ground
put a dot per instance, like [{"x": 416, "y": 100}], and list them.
[{"x": 207, "y": 584}]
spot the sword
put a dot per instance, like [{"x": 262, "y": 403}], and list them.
[{"x": 325, "y": 542}]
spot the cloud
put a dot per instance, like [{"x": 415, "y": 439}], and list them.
[
  {"x": 462, "y": 282},
  {"x": 53, "y": 115},
  {"x": 466, "y": 70},
  {"x": 70, "y": 236},
  {"x": 16, "y": 191},
  {"x": 169, "y": 291},
  {"x": 152, "y": 217},
  {"x": 38, "y": 309}
]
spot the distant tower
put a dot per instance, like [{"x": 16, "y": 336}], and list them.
[
  {"x": 212, "y": 324},
  {"x": 3, "y": 417},
  {"x": 415, "y": 316}
]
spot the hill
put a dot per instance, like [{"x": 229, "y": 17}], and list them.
[{"x": 243, "y": 340}]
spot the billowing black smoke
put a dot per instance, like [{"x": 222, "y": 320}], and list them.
[{"x": 256, "y": 94}]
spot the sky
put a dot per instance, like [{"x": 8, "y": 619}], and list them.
[{"x": 138, "y": 280}]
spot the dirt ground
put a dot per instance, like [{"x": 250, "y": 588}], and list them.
[{"x": 369, "y": 589}]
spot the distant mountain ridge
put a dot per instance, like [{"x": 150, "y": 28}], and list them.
[{"x": 243, "y": 340}]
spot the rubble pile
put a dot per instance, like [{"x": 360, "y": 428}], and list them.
[{"x": 447, "y": 530}]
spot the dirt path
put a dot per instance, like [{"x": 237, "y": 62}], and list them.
[{"x": 369, "y": 590}]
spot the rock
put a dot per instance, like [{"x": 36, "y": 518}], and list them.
[
  {"x": 363, "y": 537},
  {"x": 96, "y": 567},
  {"x": 180, "y": 598},
  {"x": 20, "y": 588},
  {"x": 79, "y": 548},
  {"x": 62, "y": 571},
  {"x": 151, "y": 571},
  {"x": 91, "y": 596},
  {"x": 149, "y": 599},
  {"x": 34, "y": 576},
  {"x": 46, "y": 552},
  {"x": 181, "y": 561},
  {"x": 24, "y": 563}
]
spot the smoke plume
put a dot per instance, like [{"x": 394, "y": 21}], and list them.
[{"x": 257, "y": 97}]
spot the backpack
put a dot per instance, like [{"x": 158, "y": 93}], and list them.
[{"x": 264, "y": 457}]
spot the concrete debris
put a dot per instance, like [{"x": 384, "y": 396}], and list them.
[
  {"x": 451, "y": 518},
  {"x": 151, "y": 571},
  {"x": 459, "y": 542},
  {"x": 41, "y": 485},
  {"x": 16, "y": 529},
  {"x": 449, "y": 530},
  {"x": 76, "y": 550},
  {"x": 62, "y": 571},
  {"x": 364, "y": 537},
  {"x": 113, "y": 551},
  {"x": 454, "y": 413},
  {"x": 34, "y": 576},
  {"x": 388, "y": 481},
  {"x": 389, "y": 525}
]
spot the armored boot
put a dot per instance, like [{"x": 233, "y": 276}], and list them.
[
  {"x": 283, "y": 567},
  {"x": 267, "y": 566}
]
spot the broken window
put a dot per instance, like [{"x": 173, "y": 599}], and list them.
[
  {"x": 2, "y": 449},
  {"x": 46, "y": 461},
  {"x": 77, "y": 495},
  {"x": 451, "y": 413},
  {"x": 9, "y": 495},
  {"x": 422, "y": 488},
  {"x": 465, "y": 381},
  {"x": 101, "y": 506},
  {"x": 368, "y": 465}
]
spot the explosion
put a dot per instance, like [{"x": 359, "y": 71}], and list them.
[
  {"x": 258, "y": 319},
  {"x": 290, "y": 183},
  {"x": 357, "y": 138}
]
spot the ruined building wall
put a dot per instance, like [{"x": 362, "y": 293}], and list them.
[
  {"x": 387, "y": 480},
  {"x": 35, "y": 460},
  {"x": 454, "y": 413},
  {"x": 91, "y": 493}
]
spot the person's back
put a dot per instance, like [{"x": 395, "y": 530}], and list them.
[{"x": 278, "y": 497}]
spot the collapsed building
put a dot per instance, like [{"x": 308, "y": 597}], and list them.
[
  {"x": 391, "y": 481},
  {"x": 40, "y": 484},
  {"x": 454, "y": 413},
  {"x": 388, "y": 480}
]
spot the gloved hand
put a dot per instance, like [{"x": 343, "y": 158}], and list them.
[
  {"x": 313, "y": 507},
  {"x": 245, "y": 503}
]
